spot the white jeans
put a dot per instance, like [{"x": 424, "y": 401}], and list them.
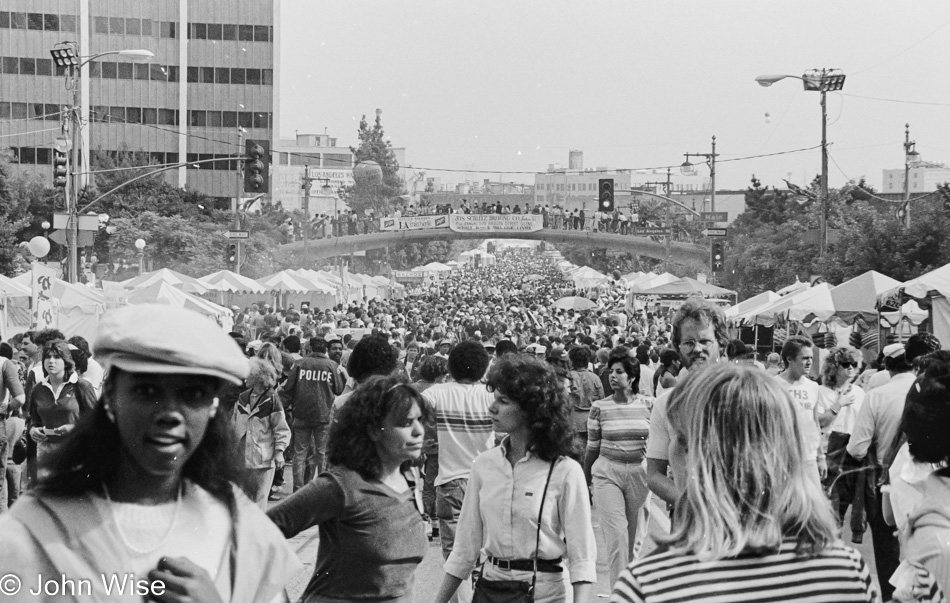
[{"x": 620, "y": 489}]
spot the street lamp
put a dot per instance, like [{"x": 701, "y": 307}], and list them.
[
  {"x": 823, "y": 81},
  {"x": 140, "y": 245},
  {"x": 45, "y": 226},
  {"x": 66, "y": 56},
  {"x": 688, "y": 169}
]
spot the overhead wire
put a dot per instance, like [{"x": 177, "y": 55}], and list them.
[
  {"x": 895, "y": 100},
  {"x": 872, "y": 195}
]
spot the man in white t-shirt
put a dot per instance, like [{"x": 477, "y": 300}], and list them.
[{"x": 810, "y": 402}]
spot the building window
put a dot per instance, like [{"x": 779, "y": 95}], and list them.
[
  {"x": 4, "y": 19},
  {"x": 260, "y": 120},
  {"x": 192, "y": 75},
  {"x": 261, "y": 33},
  {"x": 245, "y": 119},
  {"x": 207, "y": 75},
  {"x": 169, "y": 29},
  {"x": 147, "y": 27},
  {"x": 237, "y": 75},
  {"x": 142, "y": 70},
  {"x": 149, "y": 116},
  {"x": 222, "y": 75},
  {"x": 51, "y": 22},
  {"x": 44, "y": 67},
  {"x": 133, "y": 27},
  {"x": 199, "y": 31},
  {"x": 125, "y": 71},
  {"x": 229, "y": 32},
  {"x": 166, "y": 117},
  {"x": 27, "y": 66},
  {"x": 254, "y": 77},
  {"x": 155, "y": 72},
  {"x": 109, "y": 70},
  {"x": 214, "y": 119},
  {"x": 196, "y": 119},
  {"x": 229, "y": 119},
  {"x": 267, "y": 77},
  {"x": 17, "y": 20},
  {"x": 34, "y": 21},
  {"x": 214, "y": 31},
  {"x": 133, "y": 115},
  {"x": 10, "y": 65},
  {"x": 19, "y": 111},
  {"x": 117, "y": 26},
  {"x": 172, "y": 73},
  {"x": 246, "y": 33},
  {"x": 117, "y": 114},
  {"x": 52, "y": 112}
]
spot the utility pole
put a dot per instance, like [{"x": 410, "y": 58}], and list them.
[
  {"x": 72, "y": 198},
  {"x": 823, "y": 247},
  {"x": 306, "y": 212},
  {"x": 908, "y": 153},
  {"x": 668, "y": 189},
  {"x": 235, "y": 206}
]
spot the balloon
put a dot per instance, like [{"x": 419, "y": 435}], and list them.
[{"x": 39, "y": 246}]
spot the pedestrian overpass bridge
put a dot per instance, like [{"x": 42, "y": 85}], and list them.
[{"x": 645, "y": 246}]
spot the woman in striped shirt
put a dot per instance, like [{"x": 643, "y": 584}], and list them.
[
  {"x": 751, "y": 525},
  {"x": 617, "y": 430}
]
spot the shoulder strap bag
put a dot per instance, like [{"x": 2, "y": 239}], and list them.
[{"x": 514, "y": 591}]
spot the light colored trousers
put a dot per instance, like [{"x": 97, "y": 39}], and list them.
[{"x": 620, "y": 489}]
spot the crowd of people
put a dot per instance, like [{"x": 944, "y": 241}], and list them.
[{"x": 475, "y": 413}]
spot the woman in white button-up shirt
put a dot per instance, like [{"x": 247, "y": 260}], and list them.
[{"x": 502, "y": 503}]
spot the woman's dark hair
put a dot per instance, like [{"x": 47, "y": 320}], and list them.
[
  {"x": 535, "y": 387},
  {"x": 375, "y": 399},
  {"x": 468, "y": 361},
  {"x": 60, "y": 349},
  {"x": 433, "y": 367},
  {"x": 372, "y": 356},
  {"x": 6, "y": 350},
  {"x": 630, "y": 366},
  {"x": 926, "y": 419},
  {"x": 90, "y": 454}
]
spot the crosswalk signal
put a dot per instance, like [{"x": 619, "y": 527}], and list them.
[
  {"x": 606, "y": 196},
  {"x": 256, "y": 159},
  {"x": 60, "y": 164},
  {"x": 717, "y": 257}
]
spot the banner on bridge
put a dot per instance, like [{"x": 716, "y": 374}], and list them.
[
  {"x": 413, "y": 222},
  {"x": 496, "y": 222}
]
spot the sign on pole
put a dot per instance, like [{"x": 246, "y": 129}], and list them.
[
  {"x": 716, "y": 232},
  {"x": 238, "y": 234},
  {"x": 651, "y": 231},
  {"x": 714, "y": 216}
]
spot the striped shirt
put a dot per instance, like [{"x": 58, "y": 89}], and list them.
[
  {"x": 463, "y": 425},
  {"x": 619, "y": 431},
  {"x": 838, "y": 574}
]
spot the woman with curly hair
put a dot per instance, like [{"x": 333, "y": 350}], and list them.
[
  {"x": 845, "y": 476},
  {"x": 751, "y": 524},
  {"x": 617, "y": 431},
  {"x": 509, "y": 485},
  {"x": 371, "y": 534}
]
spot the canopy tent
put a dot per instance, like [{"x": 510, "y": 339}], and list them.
[
  {"x": 650, "y": 280},
  {"x": 286, "y": 282},
  {"x": 760, "y": 300},
  {"x": 932, "y": 290},
  {"x": 686, "y": 287},
  {"x": 574, "y": 303},
  {"x": 806, "y": 306},
  {"x": 910, "y": 312},
  {"x": 857, "y": 298},
  {"x": 227, "y": 281},
  {"x": 176, "y": 279},
  {"x": 795, "y": 287},
  {"x": 437, "y": 267},
  {"x": 636, "y": 275},
  {"x": 78, "y": 308},
  {"x": 162, "y": 293},
  {"x": 586, "y": 277}
]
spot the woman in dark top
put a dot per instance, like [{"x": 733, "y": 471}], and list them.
[
  {"x": 372, "y": 536},
  {"x": 57, "y": 402}
]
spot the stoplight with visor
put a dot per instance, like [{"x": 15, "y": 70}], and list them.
[
  {"x": 606, "y": 194},
  {"x": 256, "y": 171},
  {"x": 717, "y": 256}
]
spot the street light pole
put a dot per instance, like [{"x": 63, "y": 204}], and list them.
[
  {"x": 822, "y": 81},
  {"x": 909, "y": 154},
  {"x": 236, "y": 206},
  {"x": 687, "y": 168}
]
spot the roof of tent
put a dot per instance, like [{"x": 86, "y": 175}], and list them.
[
  {"x": 75, "y": 295},
  {"x": 760, "y": 300},
  {"x": 858, "y": 296},
  {"x": 436, "y": 266},
  {"x": 795, "y": 287},
  {"x": 163, "y": 293},
  {"x": 933, "y": 283},
  {"x": 176, "y": 279},
  {"x": 13, "y": 288},
  {"x": 687, "y": 286},
  {"x": 225, "y": 280},
  {"x": 285, "y": 282},
  {"x": 650, "y": 280},
  {"x": 315, "y": 282},
  {"x": 807, "y": 305}
]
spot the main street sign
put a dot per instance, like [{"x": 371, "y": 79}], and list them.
[
  {"x": 714, "y": 216},
  {"x": 238, "y": 234},
  {"x": 651, "y": 231},
  {"x": 716, "y": 232}
]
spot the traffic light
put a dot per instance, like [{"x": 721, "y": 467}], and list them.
[
  {"x": 256, "y": 172},
  {"x": 606, "y": 196},
  {"x": 717, "y": 257},
  {"x": 60, "y": 164},
  {"x": 232, "y": 254}
]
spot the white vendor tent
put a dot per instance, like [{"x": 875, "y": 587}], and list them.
[
  {"x": 586, "y": 277},
  {"x": 163, "y": 293},
  {"x": 175, "y": 279},
  {"x": 932, "y": 290}
]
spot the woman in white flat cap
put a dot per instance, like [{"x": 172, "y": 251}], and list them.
[{"x": 140, "y": 500}]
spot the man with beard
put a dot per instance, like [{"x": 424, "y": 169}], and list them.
[
  {"x": 335, "y": 352},
  {"x": 699, "y": 334}
]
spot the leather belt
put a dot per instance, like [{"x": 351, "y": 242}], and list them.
[{"x": 527, "y": 565}]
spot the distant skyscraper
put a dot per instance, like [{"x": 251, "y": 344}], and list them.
[{"x": 215, "y": 70}]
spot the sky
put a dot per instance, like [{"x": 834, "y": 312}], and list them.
[{"x": 496, "y": 86}]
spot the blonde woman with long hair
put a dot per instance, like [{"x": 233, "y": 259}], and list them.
[{"x": 751, "y": 524}]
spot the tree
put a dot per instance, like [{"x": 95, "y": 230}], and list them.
[
  {"x": 375, "y": 147},
  {"x": 17, "y": 224}
]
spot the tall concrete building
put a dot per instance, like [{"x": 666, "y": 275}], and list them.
[
  {"x": 925, "y": 177},
  {"x": 215, "y": 73}
]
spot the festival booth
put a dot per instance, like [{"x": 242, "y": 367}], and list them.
[
  {"x": 478, "y": 257},
  {"x": 650, "y": 280},
  {"x": 669, "y": 296},
  {"x": 754, "y": 335},
  {"x": 14, "y": 307},
  {"x": 931, "y": 292},
  {"x": 586, "y": 277},
  {"x": 232, "y": 289},
  {"x": 165, "y": 275},
  {"x": 161, "y": 292},
  {"x": 75, "y": 308},
  {"x": 287, "y": 287}
]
